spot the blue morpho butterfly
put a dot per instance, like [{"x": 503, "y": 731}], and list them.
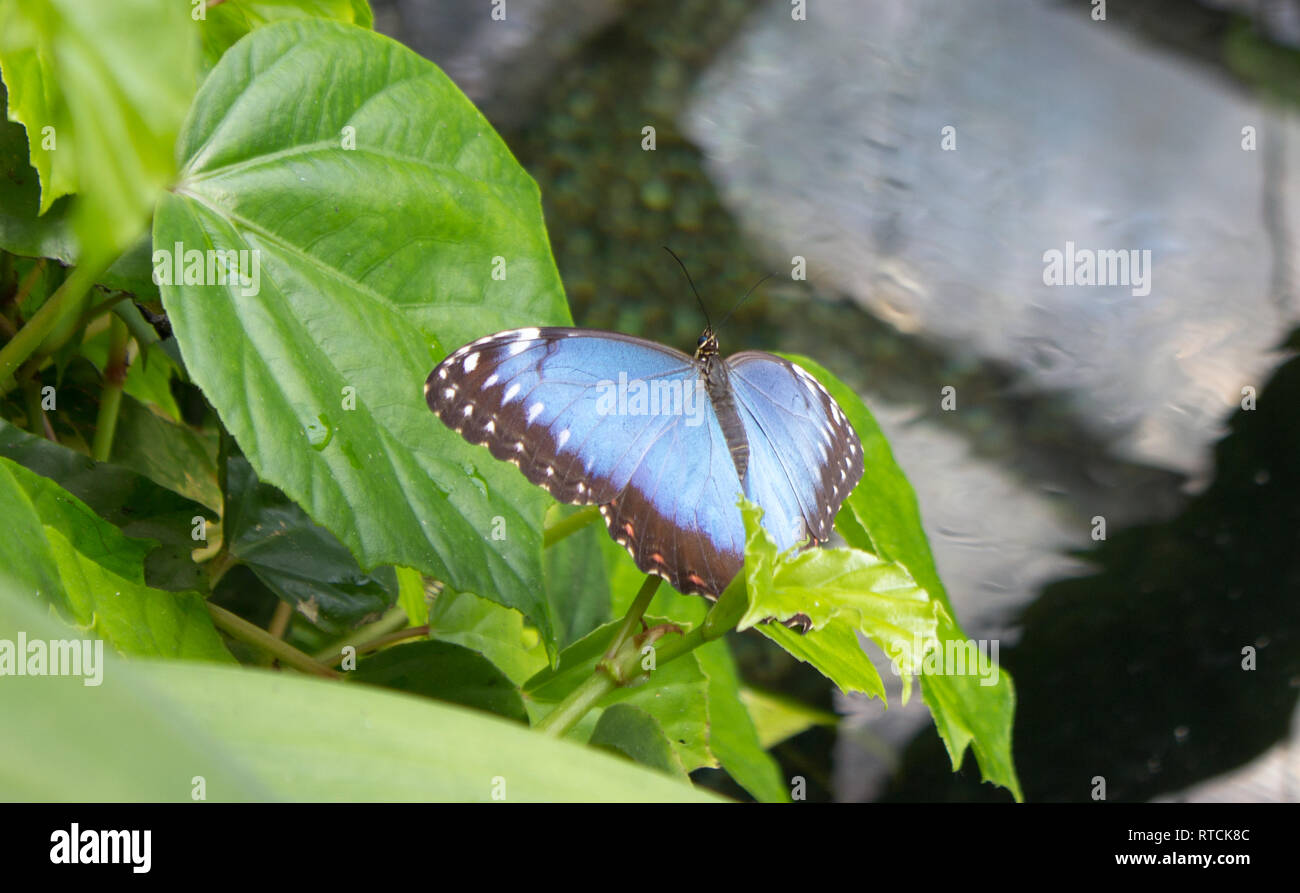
[{"x": 663, "y": 442}]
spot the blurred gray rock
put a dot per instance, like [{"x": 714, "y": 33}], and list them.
[
  {"x": 1279, "y": 20},
  {"x": 502, "y": 65},
  {"x": 824, "y": 137}
]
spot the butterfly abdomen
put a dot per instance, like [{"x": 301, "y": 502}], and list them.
[{"x": 724, "y": 406}]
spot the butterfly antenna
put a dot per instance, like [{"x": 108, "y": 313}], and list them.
[
  {"x": 742, "y": 300},
  {"x": 692, "y": 282}
]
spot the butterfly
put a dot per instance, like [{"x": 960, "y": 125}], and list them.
[{"x": 662, "y": 441}]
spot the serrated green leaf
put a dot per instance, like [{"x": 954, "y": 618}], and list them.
[
  {"x": 882, "y": 515},
  {"x": 255, "y": 736},
  {"x": 634, "y": 733},
  {"x": 494, "y": 631},
  {"x": 834, "y": 651},
  {"x": 132, "y": 617},
  {"x": 966, "y": 711},
  {"x": 99, "y": 75},
  {"x": 24, "y": 549},
  {"x": 86, "y": 531},
  {"x": 374, "y": 262},
  {"x": 69, "y": 557},
  {"x": 877, "y": 598},
  {"x": 445, "y": 672},
  {"x": 301, "y": 562},
  {"x": 733, "y": 737}
]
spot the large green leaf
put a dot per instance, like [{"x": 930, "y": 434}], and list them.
[
  {"x": 882, "y": 516},
  {"x": 152, "y": 727},
  {"x": 374, "y": 263},
  {"x": 113, "y": 81}
]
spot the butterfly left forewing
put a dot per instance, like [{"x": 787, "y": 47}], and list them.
[{"x": 531, "y": 397}]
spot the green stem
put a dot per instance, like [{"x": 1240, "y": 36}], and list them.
[
  {"x": 368, "y": 637},
  {"x": 143, "y": 333},
  {"x": 568, "y": 712},
  {"x": 65, "y": 301},
  {"x": 633, "y": 615},
  {"x": 37, "y": 421},
  {"x": 239, "y": 628},
  {"x": 218, "y": 565},
  {"x": 110, "y": 401},
  {"x": 279, "y": 624},
  {"x": 620, "y": 665},
  {"x": 569, "y": 526}
]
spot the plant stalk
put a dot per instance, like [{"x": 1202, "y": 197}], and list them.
[
  {"x": 66, "y": 300},
  {"x": 569, "y": 526},
  {"x": 110, "y": 400},
  {"x": 239, "y": 628}
]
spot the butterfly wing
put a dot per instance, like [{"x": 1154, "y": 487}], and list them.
[
  {"x": 540, "y": 398},
  {"x": 804, "y": 456}
]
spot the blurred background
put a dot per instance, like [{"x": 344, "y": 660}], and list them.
[{"x": 920, "y": 156}]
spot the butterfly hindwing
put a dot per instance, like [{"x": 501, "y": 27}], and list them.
[
  {"x": 677, "y": 516},
  {"x": 804, "y": 456}
]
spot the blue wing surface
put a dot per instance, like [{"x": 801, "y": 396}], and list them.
[{"x": 804, "y": 456}]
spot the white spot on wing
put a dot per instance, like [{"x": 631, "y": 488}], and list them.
[
  {"x": 510, "y": 393},
  {"x": 563, "y": 438},
  {"x": 471, "y": 363},
  {"x": 535, "y": 410}
]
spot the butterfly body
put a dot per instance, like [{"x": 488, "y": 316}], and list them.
[{"x": 664, "y": 442}]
